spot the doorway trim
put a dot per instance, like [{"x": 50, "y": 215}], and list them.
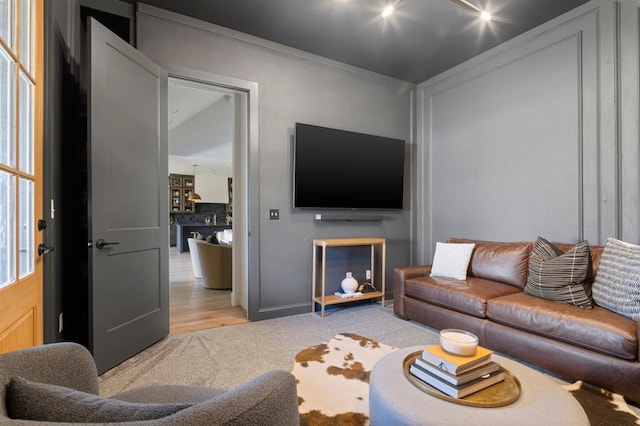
[{"x": 246, "y": 235}]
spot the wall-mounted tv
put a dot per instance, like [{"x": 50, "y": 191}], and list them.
[{"x": 337, "y": 169}]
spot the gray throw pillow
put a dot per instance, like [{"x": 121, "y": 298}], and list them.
[
  {"x": 559, "y": 276},
  {"x": 28, "y": 400},
  {"x": 617, "y": 283}
]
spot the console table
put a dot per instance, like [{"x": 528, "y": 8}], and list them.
[{"x": 319, "y": 273}]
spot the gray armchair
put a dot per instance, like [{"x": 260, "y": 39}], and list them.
[{"x": 58, "y": 383}]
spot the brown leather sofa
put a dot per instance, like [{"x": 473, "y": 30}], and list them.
[{"x": 595, "y": 345}]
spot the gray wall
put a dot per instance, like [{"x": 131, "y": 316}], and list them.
[
  {"x": 538, "y": 136},
  {"x": 293, "y": 87}
]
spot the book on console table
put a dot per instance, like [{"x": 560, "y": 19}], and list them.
[
  {"x": 455, "y": 364},
  {"x": 460, "y": 391},
  {"x": 458, "y": 379}
]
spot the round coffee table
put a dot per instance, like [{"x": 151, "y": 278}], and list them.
[{"x": 393, "y": 400}]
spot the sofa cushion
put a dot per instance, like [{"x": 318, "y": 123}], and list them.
[
  {"x": 617, "y": 283},
  {"x": 559, "y": 276},
  {"x": 469, "y": 296},
  {"x": 596, "y": 329},
  {"x": 451, "y": 260},
  {"x": 28, "y": 400},
  {"x": 504, "y": 262}
]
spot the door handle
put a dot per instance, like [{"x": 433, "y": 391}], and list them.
[
  {"x": 42, "y": 249},
  {"x": 102, "y": 243}
]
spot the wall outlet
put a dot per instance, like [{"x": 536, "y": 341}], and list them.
[
  {"x": 368, "y": 274},
  {"x": 274, "y": 214}
]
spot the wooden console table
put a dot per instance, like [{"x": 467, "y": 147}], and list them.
[{"x": 320, "y": 246}]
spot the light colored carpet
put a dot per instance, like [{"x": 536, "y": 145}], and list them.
[{"x": 228, "y": 356}]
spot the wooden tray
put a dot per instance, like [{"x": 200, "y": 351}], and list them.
[{"x": 498, "y": 395}]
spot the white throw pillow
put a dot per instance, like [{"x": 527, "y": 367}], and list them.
[{"x": 451, "y": 260}]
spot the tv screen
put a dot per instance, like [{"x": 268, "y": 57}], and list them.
[{"x": 337, "y": 169}]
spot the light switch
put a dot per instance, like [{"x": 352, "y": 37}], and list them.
[{"x": 274, "y": 214}]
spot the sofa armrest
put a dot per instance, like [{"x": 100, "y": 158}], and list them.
[
  {"x": 400, "y": 275},
  {"x": 63, "y": 364},
  {"x": 269, "y": 399}
]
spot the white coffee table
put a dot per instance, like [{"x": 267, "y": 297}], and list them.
[{"x": 393, "y": 400}]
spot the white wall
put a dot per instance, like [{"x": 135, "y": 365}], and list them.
[
  {"x": 534, "y": 138},
  {"x": 212, "y": 188}
]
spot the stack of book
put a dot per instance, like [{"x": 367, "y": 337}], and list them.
[{"x": 456, "y": 376}]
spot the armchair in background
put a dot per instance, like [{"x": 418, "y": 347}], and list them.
[
  {"x": 215, "y": 263},
  {"x": 195, "y": 262}
]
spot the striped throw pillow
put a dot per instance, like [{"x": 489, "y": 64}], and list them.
[
  {"x": 617, "y": 283},
  {"x": 559, "y": 276}
]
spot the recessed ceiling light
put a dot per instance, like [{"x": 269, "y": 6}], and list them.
[
  {"x": 473, "y": 9},
  {"x": 484, "y": 15},
  {"x": 387, "y": 11}
]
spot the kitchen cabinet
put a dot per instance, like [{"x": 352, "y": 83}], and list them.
[{"x": 180, "y": 189}]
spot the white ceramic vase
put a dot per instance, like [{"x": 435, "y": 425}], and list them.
[{"x": 349, "y": 284}]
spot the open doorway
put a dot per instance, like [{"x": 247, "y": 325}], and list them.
[{"x": 206, "y": 131}]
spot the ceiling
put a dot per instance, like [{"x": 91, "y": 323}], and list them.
[
  {"x": 192, "y": 142},
  {"x": 186, "y": 100},
  {"x": 421, "y": 39}
]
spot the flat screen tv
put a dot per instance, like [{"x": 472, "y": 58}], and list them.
[{"x": 337, "y": 169}]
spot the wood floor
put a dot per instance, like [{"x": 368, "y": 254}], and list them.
[{"x": 193, "y": 307}]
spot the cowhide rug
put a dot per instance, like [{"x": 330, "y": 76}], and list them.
[
  {"x": 333, "y": 386},
  {"x": 603, "y": 408},
  {"x": 333, "y": 380}
]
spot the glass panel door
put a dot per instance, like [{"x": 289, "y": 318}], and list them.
[
  {"x": 7, "y": 108},
  {"x": 17, "y": 147},
  {"x": 21, "y": 204},
  {"x": 7, "y": 21},
  {"x": 7, "y": 225}
]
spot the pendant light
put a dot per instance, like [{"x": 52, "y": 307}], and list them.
[{"x": 194, "y": 195}]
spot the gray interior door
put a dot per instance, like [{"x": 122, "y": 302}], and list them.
[{"x": 127, "y": 199}]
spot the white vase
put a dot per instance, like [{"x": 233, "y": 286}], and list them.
[{"x": 349, "y": 284}]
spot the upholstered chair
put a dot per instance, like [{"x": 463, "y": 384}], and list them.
[
  {"x": 195, "y": 261},
  {"x": 58, "y": 383},
  {"x": 215, "y": 264}
]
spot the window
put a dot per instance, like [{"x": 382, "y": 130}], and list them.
[{"x": 17, "y": 141}]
